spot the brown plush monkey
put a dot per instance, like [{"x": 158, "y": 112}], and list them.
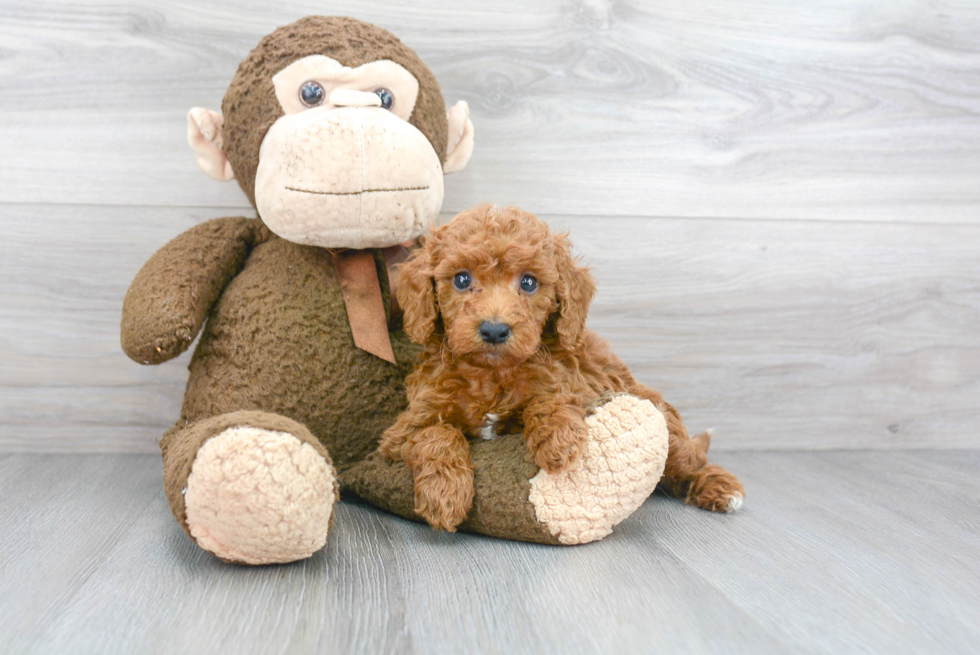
[{"x": 339, "y": 136}]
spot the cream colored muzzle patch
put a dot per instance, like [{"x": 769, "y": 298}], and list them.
[
  {"x": 348, "y": 177},
  {"x": 259, "y": 497},
  {"x": 620, "y": 468}
]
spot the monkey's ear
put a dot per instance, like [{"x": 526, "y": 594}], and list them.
[
  {"x": 460, "y": 145},
  {"x": 204, "y": 135},
  {"x": 417, "y": 296}
]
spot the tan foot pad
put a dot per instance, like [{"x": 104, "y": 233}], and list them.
[
  {"x": 620, "y": 468},
  {"x": 259, "y": 497}
]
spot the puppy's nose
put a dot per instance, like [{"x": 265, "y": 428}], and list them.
[{"x": 494, "y": 333}]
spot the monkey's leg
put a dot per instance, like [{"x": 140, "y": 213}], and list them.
[
  {"x": 618, "y": 469},
  {"x": 250, "y": 487}
]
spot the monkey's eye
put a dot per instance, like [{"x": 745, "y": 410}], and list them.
[
  {"x": 312, "y": 94},
  {"x": 462, "y": 281},
  {"x": 529, "y": 283},
  {"x": 387, "y": 99}
]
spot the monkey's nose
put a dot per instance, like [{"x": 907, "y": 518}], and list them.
[
  {"x": 352, "y": 98},
  {"x": 494, "y": 333}
]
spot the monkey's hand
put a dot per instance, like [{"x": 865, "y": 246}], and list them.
[{"x": 172, "y": 294}]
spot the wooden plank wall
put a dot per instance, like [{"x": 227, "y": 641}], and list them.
[{"x": 781, "y": 202}]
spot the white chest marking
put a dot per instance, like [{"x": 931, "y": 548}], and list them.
[{"x": 489, "y": 428}]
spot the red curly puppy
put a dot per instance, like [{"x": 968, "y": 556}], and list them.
[{"x": 500, "y": 306}]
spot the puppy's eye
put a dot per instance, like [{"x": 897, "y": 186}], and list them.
[
  {"x": 462, "y": 281},
  {"x": 312, "y": 94},
  {"x": 387, "y": 99},
  {"x": 529, "y": 283}
]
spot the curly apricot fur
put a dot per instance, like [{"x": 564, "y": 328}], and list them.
[{"x": 538, "y": 380}]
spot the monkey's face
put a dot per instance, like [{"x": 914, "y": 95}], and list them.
[
  {"x": 343, "y": 168},
  {"x": 338, "y": 133}
]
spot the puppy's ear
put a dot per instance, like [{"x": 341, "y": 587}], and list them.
[
  {"x": 574, "y": 290},
  {"x": 416, "y": 294}
]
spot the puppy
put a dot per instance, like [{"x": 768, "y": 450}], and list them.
[{"x": 500, "y": 306}]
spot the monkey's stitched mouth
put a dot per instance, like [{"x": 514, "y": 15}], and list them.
[{"x": 357, "y": 193}]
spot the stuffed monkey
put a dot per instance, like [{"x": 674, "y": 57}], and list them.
[{"x": 339, "y": 136}]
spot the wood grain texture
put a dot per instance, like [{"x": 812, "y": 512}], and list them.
[
  {"x": 786, "y": 335},
  {"x": 779, "y": 334},
  {"x": 832, "y": 553},
  {"x": 621, "y": 121},
  {"x": 846, "y": 110}
]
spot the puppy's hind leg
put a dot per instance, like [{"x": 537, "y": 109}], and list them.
[{"x": 688, "y": 474}]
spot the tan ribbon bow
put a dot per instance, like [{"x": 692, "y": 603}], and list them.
[{"x": 361, "y": 288}]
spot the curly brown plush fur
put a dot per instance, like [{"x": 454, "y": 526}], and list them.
[{"x": 536, "y": 377}]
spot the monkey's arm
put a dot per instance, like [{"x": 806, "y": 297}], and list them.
[{"x": 172, "y": 294}]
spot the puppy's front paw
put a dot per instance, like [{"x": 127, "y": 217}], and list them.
[
  {"x": 557, "y": 443},
  {"x": 444, "y": 496}
]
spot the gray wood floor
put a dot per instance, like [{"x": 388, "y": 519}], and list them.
[{"x": 857, "y": 552}]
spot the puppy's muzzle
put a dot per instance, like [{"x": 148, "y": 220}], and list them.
[{"x": 494, "y": 333}]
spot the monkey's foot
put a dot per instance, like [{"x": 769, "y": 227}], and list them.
[
  {"x": 621, "y": 463},
  {"x": 619, "y": 466},
  {"x": 253, "y": 495}
]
